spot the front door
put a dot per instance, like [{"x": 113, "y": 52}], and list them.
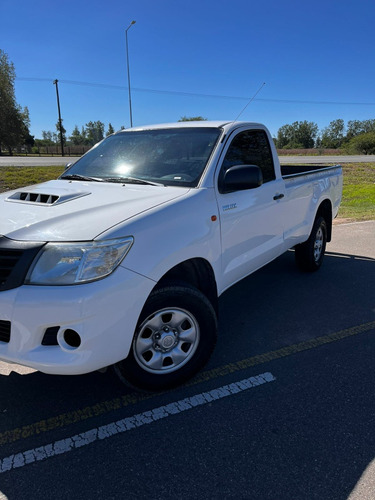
[{"x": 251, "y": 220}]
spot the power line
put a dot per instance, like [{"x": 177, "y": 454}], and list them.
[
  {"x": 296, "y": 101},
  {"x": 194, "y": 94},
  {"x": 121, "y": 87}
]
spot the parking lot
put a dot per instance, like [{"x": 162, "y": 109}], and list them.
[{"x": 284, "y": 409}]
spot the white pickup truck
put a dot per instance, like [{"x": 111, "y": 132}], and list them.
[{"x": 122, "y": 259}]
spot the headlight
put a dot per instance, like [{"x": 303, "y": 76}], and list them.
[{"x": 72, "y": 263}]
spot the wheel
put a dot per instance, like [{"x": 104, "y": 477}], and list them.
[
  {"x": 175, "y": 336},
  {"x": 309, "y": 255}
]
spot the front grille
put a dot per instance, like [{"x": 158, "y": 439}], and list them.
[
  {"x": 15, "y": 260},
  {"x": 8, "y": 261},
  {"x": 4, "y": 331}
]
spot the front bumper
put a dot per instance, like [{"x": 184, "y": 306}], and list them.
[{"x": 103, "y": 313}]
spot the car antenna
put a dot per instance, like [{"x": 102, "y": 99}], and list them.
[{"x": 251, "y": 100}]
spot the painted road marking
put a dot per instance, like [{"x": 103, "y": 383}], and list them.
[
  {"x": 104, "y": 407},
  {"x": 126, "y": 424}
]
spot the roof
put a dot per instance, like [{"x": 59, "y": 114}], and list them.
[{"x": 188, "y": 124}]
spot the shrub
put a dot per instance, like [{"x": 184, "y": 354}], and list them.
[{"x": 363, "y": 144}]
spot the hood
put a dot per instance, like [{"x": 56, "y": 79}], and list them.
[{"x": 64, "y": 210}]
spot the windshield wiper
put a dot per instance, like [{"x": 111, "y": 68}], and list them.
[
  {"x": 78, "y": 177},
  {"x": 132, "y": 180}
]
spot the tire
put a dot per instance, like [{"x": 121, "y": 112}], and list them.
[
  {"x": 174, "y": 339},
  {"x": 309, "y": 255}
]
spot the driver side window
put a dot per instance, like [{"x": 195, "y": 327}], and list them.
[{"x": 251, "y": 148}]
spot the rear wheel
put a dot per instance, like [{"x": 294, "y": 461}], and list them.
[
  {"x": 309, "y": 255},
  {"x": 175, "y": 336}
]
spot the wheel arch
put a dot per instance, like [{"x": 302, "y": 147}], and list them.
[
  {"x": 196, "y": 272},
  {"x": 325, "y": 210}
]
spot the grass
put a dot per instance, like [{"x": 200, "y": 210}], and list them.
[
  {"x": 15, "y": 177},
  {"x": 310, "y": 152},
  {"x": 358, "y": 201}
]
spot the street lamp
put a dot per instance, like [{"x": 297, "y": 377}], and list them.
[{"x": 127, "y": 61}]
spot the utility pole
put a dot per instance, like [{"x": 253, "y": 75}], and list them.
[
  {"x": 127, "y": 62},
  {"x": 60, "y": 122}
]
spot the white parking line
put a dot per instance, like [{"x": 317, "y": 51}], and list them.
[{"x": 126, "y": 424}]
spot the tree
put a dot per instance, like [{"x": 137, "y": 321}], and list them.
[
  {"x": 63, "y": 132},
  {"x": 94, "y": 132},
  {"x": 297, "y": 135},
  {"x": 192, "y": 119},
  {"x": 357, "y": 127},
  {"x": 28, "y": 139},
  {"x": 47, "y": 135},
  {"x": 78, "y": 138},
  {"x": 83, "y": 135},
  {"x": 362, "y": 144},
  {"x": 333, "y": 135},
  {"x": 14, "y": 121},
  {"x": 29, "y": 142},
  {"x": 110, "y": 130},
  {"x": 284, "y": 136},
  {"x": 46, "y": 141}
]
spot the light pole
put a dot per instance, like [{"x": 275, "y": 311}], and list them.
[
  {"x": 60, "y": 121},
  {"x": 127, "y": 62}
]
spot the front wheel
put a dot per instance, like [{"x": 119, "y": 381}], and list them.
[
  {"x": 309, "y": 255},
  {"x": 175, "y": 336}
]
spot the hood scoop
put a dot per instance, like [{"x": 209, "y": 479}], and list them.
[{"x": 38, "y": 198}]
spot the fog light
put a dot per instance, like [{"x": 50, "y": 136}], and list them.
[{"x": 72, "y": 338}]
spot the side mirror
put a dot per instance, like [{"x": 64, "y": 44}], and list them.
[
  {"x": 241, "y": 177},
  {"x": 68, "y": 165}
]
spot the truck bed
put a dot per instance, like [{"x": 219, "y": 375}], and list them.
[{"x": 295, "y": 170}]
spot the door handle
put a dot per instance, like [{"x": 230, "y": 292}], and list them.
[{"x": 278, "y": 196}]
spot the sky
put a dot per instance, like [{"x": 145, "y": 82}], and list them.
[{"x": 191, "y": 58}]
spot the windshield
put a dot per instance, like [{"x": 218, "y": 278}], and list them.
[{"x": 171, "y": 157}]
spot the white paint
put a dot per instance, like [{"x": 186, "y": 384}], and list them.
[
  {"x": 7, "y": 368},
  {"x": 126, "y": 424},
  {"x": 364, "y": 489}
]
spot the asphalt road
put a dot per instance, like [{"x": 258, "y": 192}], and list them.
[
  {"x": 330, "y": 160},
  {"x": 28, "y": 161},
  {"x": 35, "y": 161},
  {"x": 285, "y": 408}
]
